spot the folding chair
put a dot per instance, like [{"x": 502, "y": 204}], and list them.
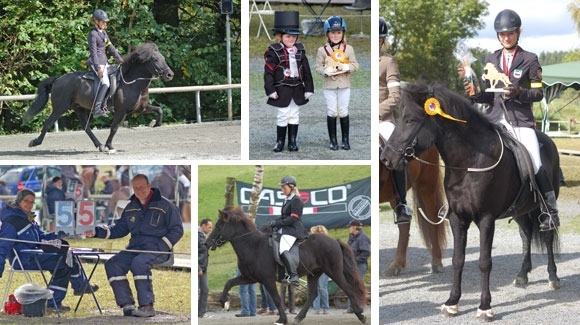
[
  {"x": 266, "y": 10},
  {"x": 360, "y": 5},
  {"x": 26, "y": 273},
  {"x": 121, "y": 204},
  {"x": 167, "y": 263}
]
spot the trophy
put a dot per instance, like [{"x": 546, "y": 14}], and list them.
[{"x": 463, "y": 54}]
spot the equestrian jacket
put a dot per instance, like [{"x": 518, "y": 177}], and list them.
[
  {"x": 277, "y": 75},
  {"x": 389, "y": 87},
  {"x": 340, "y": 80},
  {"x": 291, "y": 220},
  {"x": 525, "y": 72},
  {"x": 99, "y": 45},
  {"x": 157, "y": 226},
  {"x": 361, "y": 247},
  {"x": 16, "y": 225},
  {"x": 202, "y": 252}
]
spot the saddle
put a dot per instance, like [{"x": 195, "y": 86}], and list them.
[
  {"x": 114, "y": 78},
  {"x": 274, "y": 242},
  {"x": 525, "y": 171}
]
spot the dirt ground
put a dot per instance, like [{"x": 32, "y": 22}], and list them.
[
  {"x": 205, "y": 141},
  {"x": 335, "y": 316}
]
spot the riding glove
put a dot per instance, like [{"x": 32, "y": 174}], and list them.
[{"x": 513, "y": 91}]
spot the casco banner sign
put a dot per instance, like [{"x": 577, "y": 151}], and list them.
[{"x": 333, "y": 206}]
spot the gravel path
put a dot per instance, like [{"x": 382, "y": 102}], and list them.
[{"x": 415, "y": 295}]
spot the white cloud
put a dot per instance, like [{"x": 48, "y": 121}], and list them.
[{"x": 546, "y": 26}]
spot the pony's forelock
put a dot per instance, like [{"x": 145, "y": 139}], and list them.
[{"x": 237, "y": 214}]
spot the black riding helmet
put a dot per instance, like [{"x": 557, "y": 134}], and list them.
[
  {"x": 507, "y": 21},
  {"x": 383, "y": 28},
  {"x": 100, "y": 14},
  {"x": 288, "y": 180}
]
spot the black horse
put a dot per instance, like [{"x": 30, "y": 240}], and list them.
[
  {"x": 481, "y": 183},
  {"x": 318, "y": 254},
  {"x": 73, "y": 91}
]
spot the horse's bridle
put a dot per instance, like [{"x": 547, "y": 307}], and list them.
[
  {"x": 157, "y": 71},
  {"x": 219, "y": 241}
]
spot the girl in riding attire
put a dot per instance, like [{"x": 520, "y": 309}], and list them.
[
  {"x": 389, "y": 99},
  {"x": 290, "y": 226},
  {"x": 336, "y": 82},
  {"x": 99, "y": 45},
  {"x": 513, "y": 108},
  {"x": 287, "y": 77}
]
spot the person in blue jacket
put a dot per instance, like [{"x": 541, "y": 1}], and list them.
[
  {"x": 54, "y": 193},
  {"x": 18, "y": 225},
  {"x": 155, "y": 226}
]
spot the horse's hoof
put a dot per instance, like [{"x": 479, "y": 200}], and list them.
[
  {"x": 449, "y": 311},
  {"x": 153, "y": 123},
  {"x": 554, "y": 285},
  {"x": 296, "y": 321},
  {"x": 226, "y": 306},
  {"x": 112, "y": 150},
  {"x": 362, "y": 318},
  {"x": 520, "y": 282},
  {"x": 392, "y": 271},
  {"x": 102, "y": 148},
  {"x": 436, "y": 269},
  {"x": 485, "y": 315},
  {"x": 32, "y": 143}
]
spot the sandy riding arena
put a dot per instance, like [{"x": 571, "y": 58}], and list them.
[{"x": 205, "y": 141}]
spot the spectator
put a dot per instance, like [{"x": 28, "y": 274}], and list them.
[
  {"x": 54, "y": 193},
  {"x": 248, "y": 299},
  {"x": 361, "y": 247},
  {"x": 322, "y": 297},
  {"x": 268, "y": 305},
  {"x": 204, "y": 229}
]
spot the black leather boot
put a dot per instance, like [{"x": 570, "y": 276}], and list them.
[
  {"x": 344, "y": 127},
  {"x": 291, "y": 266},
  {"x": 550, "y": 220},
  {"x": 99, "y": 110},
  {"x": 292, "y": 131},
  {"x": 331, "y": 125},
  {"x": 403, "y": 212},
  {"x": 280, "y": 138}
]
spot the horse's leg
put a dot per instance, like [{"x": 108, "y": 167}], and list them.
[
  {"x": 83, "y": 116},
  {"x": 117, "y": 120},
  {"x": 155, "y": 109},
  {"x": 400, "y": 260},
  {"x": 549, "y": 238},
  {"x": 273, "y": 291},
  {"x": 224, "y": 298},
  {"x": 312, "y": 293},
  {"x": 486, "y": 230},
  {"x": 525, "y": 226},
  {"x": 459, "y": 229}
]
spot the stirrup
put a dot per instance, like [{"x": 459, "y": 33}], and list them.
[{"x": 403, "y": 214}]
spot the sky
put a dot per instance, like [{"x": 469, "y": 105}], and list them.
[{"x": 547, "y": 26}]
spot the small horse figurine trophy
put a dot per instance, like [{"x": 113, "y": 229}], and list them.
[{"x": 494, "y": 76}]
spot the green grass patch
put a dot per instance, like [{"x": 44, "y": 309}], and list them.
[{"x": 211, "y": 183}]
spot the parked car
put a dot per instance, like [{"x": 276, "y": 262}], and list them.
[{"x": 30, "y": 177}]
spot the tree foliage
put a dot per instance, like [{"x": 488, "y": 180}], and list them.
[
  {"x": 424, "y": 33},
  {"x": 49, "y": 38}
]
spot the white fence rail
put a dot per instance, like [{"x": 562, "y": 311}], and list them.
[{"x": 196, "y": 89}]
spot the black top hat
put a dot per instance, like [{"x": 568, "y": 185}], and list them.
[{"x": 286, "y": 22}]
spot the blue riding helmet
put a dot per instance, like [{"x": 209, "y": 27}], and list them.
[
  {"x": 100, "y": 14},
  {"x": 334, "y": 23},
  {"x": 288, "y": 180}
]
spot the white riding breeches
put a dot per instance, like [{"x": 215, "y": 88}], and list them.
[
  {"x": 386, "y": 129},
  {"x": 288, "y": 115},
  {"x": 105, "y": 79},
  {"x": 337, "y": 101},
  {"x": 286, "y": 242},
  {"x": 527, "y": 136}
]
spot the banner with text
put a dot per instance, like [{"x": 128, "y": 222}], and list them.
[{"x": 332, "y": 207}]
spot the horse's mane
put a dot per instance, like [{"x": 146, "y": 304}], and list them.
[
  {"x": 459, "y": 107},
  {"x": 143, "y": 53},
  {"x": 237, "y": 214}
]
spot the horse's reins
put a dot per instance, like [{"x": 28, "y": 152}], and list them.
[{"x": 131, "y": 82}]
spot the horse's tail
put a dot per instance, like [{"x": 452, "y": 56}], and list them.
[
  {"x": 540, "y": 238},
  {"x": 350, "y": 272},
  {"x": 44, "y": 88}
]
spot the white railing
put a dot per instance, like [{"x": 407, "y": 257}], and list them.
[{"x": 197, "y": 90}]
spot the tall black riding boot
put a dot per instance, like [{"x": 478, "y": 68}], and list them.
[
  {"x": 291, "y": 266},
  {"x": 280, "y": 138},
  {"x": 98, "y": 109},
  {"x": 402, "y": 211},
  {"x": 331, "y": 125},
  {"x": 551, "y": 220},
  {"x": 344, "y": 127},
  {"x": 292, "y": 131}
]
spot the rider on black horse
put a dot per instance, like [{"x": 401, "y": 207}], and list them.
[
  {"x": 290, "y": 227},
  {"x": 99, "y": 44}
]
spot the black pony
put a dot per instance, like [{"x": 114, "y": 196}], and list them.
[
  {"x": 482, "y": 182},
  {"x": 318, "y": 254},
  {"x": 72, "y": 91}
]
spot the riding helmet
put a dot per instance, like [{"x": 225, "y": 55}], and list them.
[
  {"x": 334, "y": 23},
  {"x": 507, "y": 20},
  {"x": 383, "y": 28},
  {"x": 100, "y": 14},
  {"x": 288, "y": 180}
]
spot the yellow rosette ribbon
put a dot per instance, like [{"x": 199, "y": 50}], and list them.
[
  {"x": 339, "y": 56},
  {"x": 433, "y": 107}
]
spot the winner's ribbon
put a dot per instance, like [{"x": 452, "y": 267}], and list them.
[{"x": 433, "y": 107}]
